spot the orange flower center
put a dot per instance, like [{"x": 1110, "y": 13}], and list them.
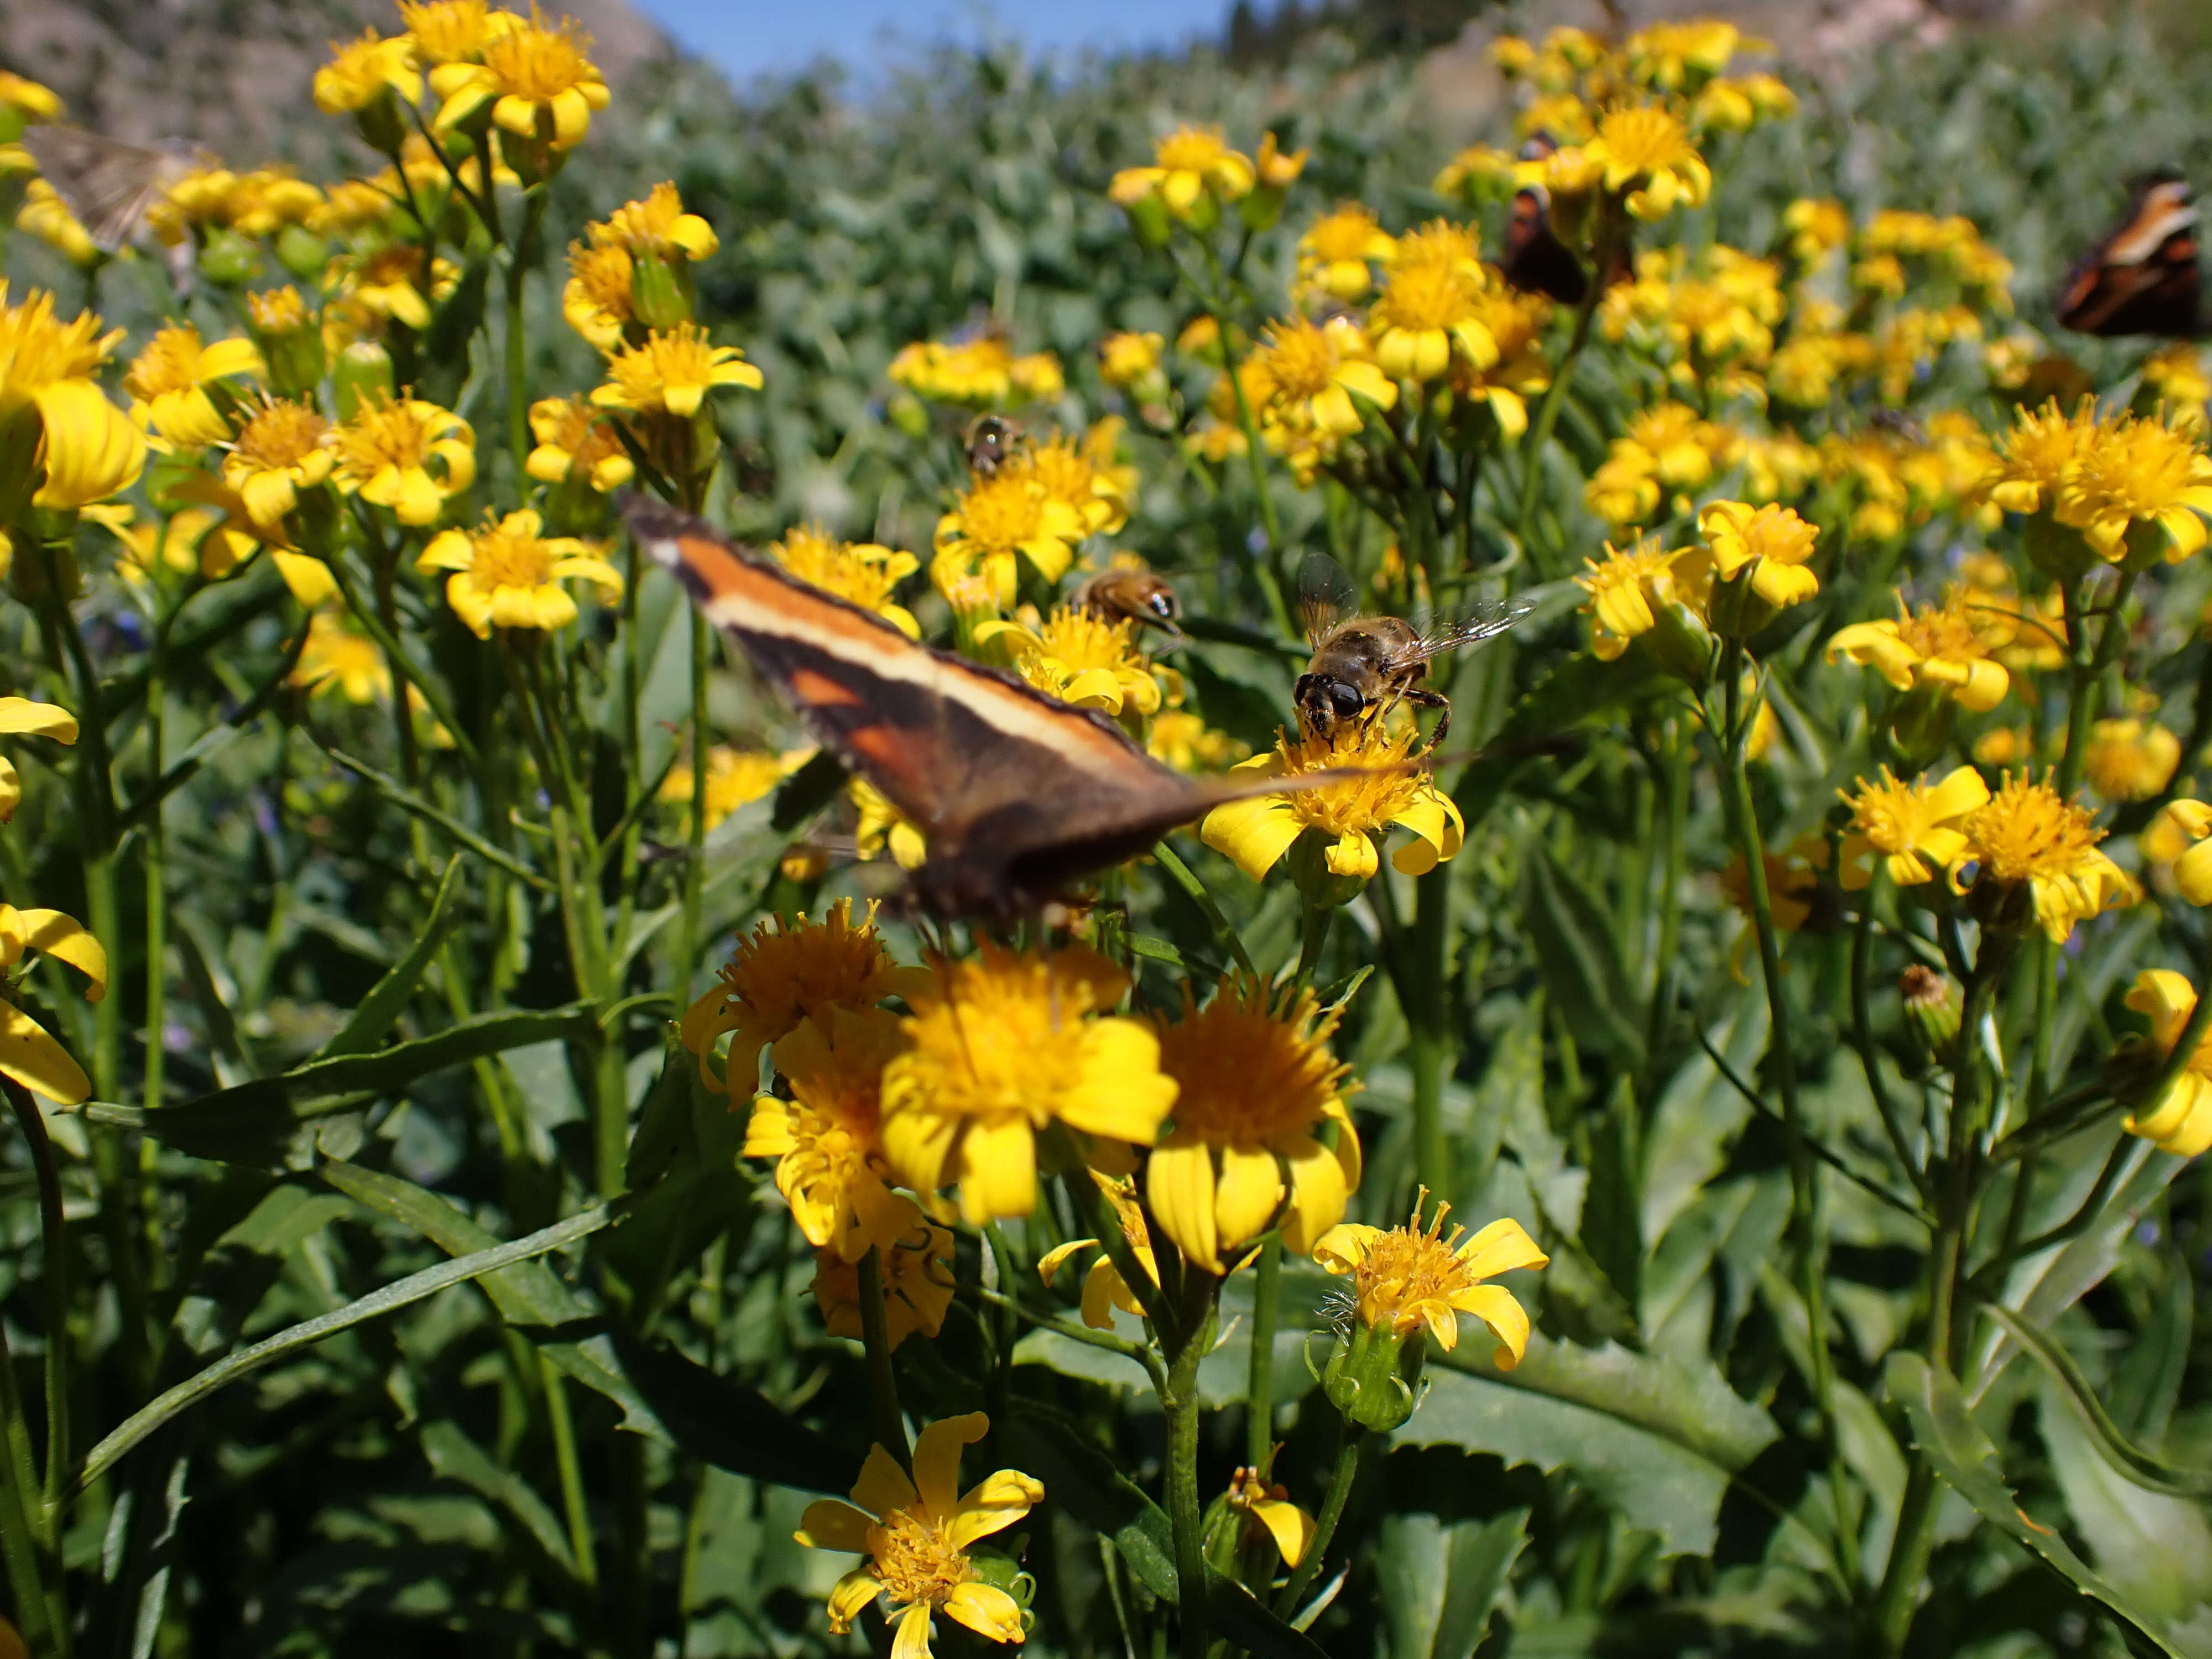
[
  {"x": 999, "y": 514},
  {"x": 281, "y": 435},
  {"x": 509, "y": 558},
  {"x": 539, "y": 63},
  {"x": 1301, "y": 358},
  {"x": 2027, "y": 831},
  {"x": 915, "y": 1559}
]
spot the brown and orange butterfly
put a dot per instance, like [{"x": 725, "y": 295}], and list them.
[
  {"x": 2141, "y": 278},
  {"x": 1019, "y": 793}
]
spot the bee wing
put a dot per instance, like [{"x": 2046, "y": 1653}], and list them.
[
  {"x": 1439, "y": 635},
  {"x": 107, "y": 184},
  {"x": 1327, "y": 594}
]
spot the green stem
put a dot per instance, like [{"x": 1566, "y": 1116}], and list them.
[
  {"x": 1908, "y": 1560},
  {"x": 25, "y": 1545},
  {"x": 1350, "y": 1443},
  {"x": 1804, "y": 1168},
  {"x": 1674, "y": 781},
  {"x": 520, "y": 260},
  {"x": 573, "y": 1502},
  {"x": 1862, "y": 1039},
  {"x": 1421, "y": 991},
  {"x": 883, "y": 1382},
  {"x": 1313, "y": 940},
  {"x": 53, "y": 1242},
  {"x": 1260, "y": 1378},
  {"x": 1180, "y": 874},
  {"x": 695, "y": 866},
  {"x": 1180, "y": 1405},
  {"x": 1547, "y": 412}
]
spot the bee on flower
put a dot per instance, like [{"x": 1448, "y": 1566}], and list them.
[{"x": 1348, "y": 819}]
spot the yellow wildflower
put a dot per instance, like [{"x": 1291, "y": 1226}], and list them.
[
  {"x": 27, "y": 99},
  {"x": 28, "y": 1054},
  {"x": 916, "y": 1534},
  {"x": 2130, "y": 759},
  {"x": 406, "y": 454},
  {"x": 2177, "y": 837},
  {"x": 1079, "y": 658},
  {"x": 995, "y": 519},
  {"x": 2034, "y": 458},
  {"x": 2180, "y": 1120},
  {"x": 389, "y": 282},
  {"x": 596, "y": 299},
  {"x": 1255, "y": 1083},
  {"x": 1129, "y": 360},
  {"x": 46, "y": 216},
  {"x": 2026, "y": 836},
  {"x": 2138, "y": 472},
  {"x": 1323, "y": 377},
  {"x": 336, "y": 659},
  {"x": 1769, "y": 543},
  {"x": 917, "y": 1274},
  {"x": 979, "y": 373},
  {"x": 536, "y": 78},
  {"x": 1337, "y": 254},
  {"x": 21, "y": 717},
  {"x": 1645, "y": 151},
  {"x": 2179, "y": 378},
  {"x": 879, "y": 828},
  {"x": 574, "y": 442},
  {"x": 1414, "y": 1277},
  {"x": 1430, "y": 306},
  {"x": 1183, "y": 740},
  {"x": 1002, "y": 1046},
  {"x": 1668, "y": 56},
  {"x": 673, "y": 371},
  {"x": 283, "y": 448},
  {"x": 89, "y": 448},
  {"x": 1268, "y": 1507},
  {"x": 1629, "y": 589},
  {"x": 734, "y": 779},
  {"x": 1915, "y": 826},
  {"x": 1256, "y": 833},
  {"x": 859, "y": 573},
  {"x": 779, "y": 976},
  {"x": 361, "y": 71},
  {"x": 506, "y": 575},
  {"x": 827, "y": 1138},
  {"x": 1191, "y": 165},
  {"x": 168, "y": 383},
  {"x": 1945, "y": 646},
  {"x": 1085, "y": 476},
  {"x": 453, "y": 31},
  {"x": 1103, "y": 1287}
]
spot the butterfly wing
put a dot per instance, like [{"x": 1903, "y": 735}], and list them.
[
  {"x": 107, "y": 184},
  {"x": 2142, "y": 279},
  {"x": 960, "y": 749},
  {"x": 1536, "y": 260}
]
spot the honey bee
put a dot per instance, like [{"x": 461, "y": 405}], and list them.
[
  {"x": 1363, "y": 666},
  {"x": 1130, "y": 594},
  {"x": 992, "y": 441}
]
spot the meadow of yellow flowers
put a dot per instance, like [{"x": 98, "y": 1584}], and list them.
[{"x": 1698, "y": 1160}]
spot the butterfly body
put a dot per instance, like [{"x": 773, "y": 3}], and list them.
[
  {"x": 1018, "y": 794},
  {"x": 2143, "y": 278}
]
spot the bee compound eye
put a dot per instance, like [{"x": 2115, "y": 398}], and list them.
[
  {"x": 1345, "y": 699},
  {"x": 1161, "y": 606}
]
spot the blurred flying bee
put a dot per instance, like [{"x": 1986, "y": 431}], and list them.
[
  {"x": 1364, "y": 666},
  {"x": 109, "y": 184},
  {"x": 1131, "y": 594},
  {"x": 992, "y": 440}
]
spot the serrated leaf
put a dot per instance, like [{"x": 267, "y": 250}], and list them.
[
  {"x": 1944, "y": 1431},
  {"x": 1654, "y": 1438}
]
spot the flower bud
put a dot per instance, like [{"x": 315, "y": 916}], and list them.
[
  {"x": 1371, "y": 1377},
  {"x": 1933, "y": 1007},
  {"x": 302, "y": 253},
  {"x": 1922, "y": 723},
  {"x": 1737, "y": 610},
  {"x": 380, "y": 122},
  {"x": 364, "y": 375},
  {"x": 2059, "y": 551},
  {"x": 908, "y": 414},
  {"x": 228, "y": 259},
  {"x": 1148, "y": 220},
  {"x": 1681, "y": 643},
  {"x": 660, "y": 292},
  {"x": 1321, "y": 887}
]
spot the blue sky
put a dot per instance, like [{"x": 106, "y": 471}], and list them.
[{"x": 747, "y": 38}]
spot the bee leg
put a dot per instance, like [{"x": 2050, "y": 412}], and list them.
[{"x": 1437, "y": 701}]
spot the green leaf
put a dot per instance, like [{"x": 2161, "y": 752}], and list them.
[
  {"x": 1083, "y": 1480},
  {"x": 1481, "y": 1559},
  {"x": 1944, "y": 1431},
  {"x": 1580, "y": 958},
  {"x": 1235, "y": 1613},
  {"x": 454, "y": 1456},
  {"x": 387, "y": 998},
  {"x": 531, "y": 1297},
  {"x": 393, "y": 1296},
  {"x": 1439, "y": 1580},
  {"x": 261, "y": 1122},
  {"x": 1655, "y": 1438},
  {"x": 730, "y": 1425}
]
